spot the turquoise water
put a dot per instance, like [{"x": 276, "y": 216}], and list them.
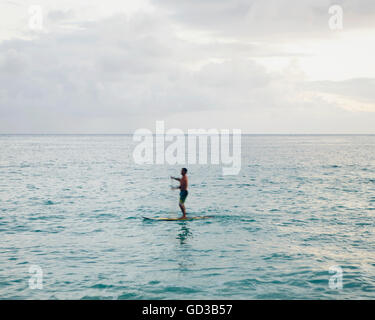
[{"x": 72, "y": 205}]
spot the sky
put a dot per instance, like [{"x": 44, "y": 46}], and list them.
[{"x": 114, "y": 66}]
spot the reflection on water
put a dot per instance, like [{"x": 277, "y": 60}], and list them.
[
  {"x": 184, "y": 258},
  {"x": 184, "y": 233}
]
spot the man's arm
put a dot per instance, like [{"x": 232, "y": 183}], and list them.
[{"x": 178, "y": 179}]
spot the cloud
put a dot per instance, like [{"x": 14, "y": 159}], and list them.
[
  {"x": 117, "y": 67},
  {"x": 271, "y": 19},
  {"x": 357, "y": 89},
  {"x": 352, "y": 94},
  {"x": 124, "y": 72}
]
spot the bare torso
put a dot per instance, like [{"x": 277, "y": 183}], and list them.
[{"x": 184, "y": 183}]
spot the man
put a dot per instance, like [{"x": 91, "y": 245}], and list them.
[{"x": 183, "y": 190}]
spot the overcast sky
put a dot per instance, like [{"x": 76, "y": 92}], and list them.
[{"x": 263, "y": 66}]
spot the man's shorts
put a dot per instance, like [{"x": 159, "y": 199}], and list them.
[{"x": 183, "y": 195}]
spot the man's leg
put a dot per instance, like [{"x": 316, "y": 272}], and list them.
[{"x": 182, "y": 207}]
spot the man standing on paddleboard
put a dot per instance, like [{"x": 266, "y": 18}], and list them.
[{"x": 183, "y": 190}]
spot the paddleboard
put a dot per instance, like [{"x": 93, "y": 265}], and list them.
[{"x": 178, "y": 219}]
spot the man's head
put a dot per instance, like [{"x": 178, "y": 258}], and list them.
[{"x": 183, "y": 171}]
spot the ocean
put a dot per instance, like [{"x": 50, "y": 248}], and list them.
[{"x": 297, "y": 221}]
